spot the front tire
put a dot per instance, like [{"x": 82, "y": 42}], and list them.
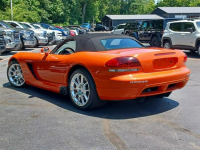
[
  {"x": 82, "y": 90},
  {"x": 198, "y": 50},
  {"x": 167, "y": 45},
  {"x": 36, "y": 44},
  {"x": 15, "y": 74}
]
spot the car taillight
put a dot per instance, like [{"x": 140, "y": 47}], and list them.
[
  {"x": 72, "y": 33},
  {"x": 123, "y": 62},
  {"x": 185, "y": 58}
]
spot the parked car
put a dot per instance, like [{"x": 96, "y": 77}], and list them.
[
  {"x": 2, "y": 43},
  {"x": 59, "y": 27},
  {"x": 57, "y": 34},
  {"x": 112, "y": 28},
  {"x": 119, "y": 29},
  {"x": 184, "y": 34},
  {"x": 94, "y": 68},
  {"x": 100, "y": 27},
  {"x": 26, "y": 36},
  {"x": 12, "y": 39},
  {"x": 131, "y": 28},
  {"x": 79, "y": 29},
  {"x": 151, "y": 31},
  {"x": 50, "y": 36},
  {"x": 40, "y": 36},
  {"x": 72, "y": 33},
  {"x": 65, "y": 33},
  {"x": 87, "y": 25}
]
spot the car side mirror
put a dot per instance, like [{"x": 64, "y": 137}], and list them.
[
  {"x": 189, "y": 30},
  {"x": 45, "y": 50}
]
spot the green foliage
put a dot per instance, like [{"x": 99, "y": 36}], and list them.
[{"x": 66, "y": 12}]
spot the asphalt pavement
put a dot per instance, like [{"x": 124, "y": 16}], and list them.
[{"x": 35, "y": 119}]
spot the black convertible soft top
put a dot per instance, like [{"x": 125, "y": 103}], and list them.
[{"x": 91, "y": 42}]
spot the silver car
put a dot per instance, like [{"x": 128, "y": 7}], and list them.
[
  {"x": 39, "y": 35},
  {"x": 50, "y": 35},
  {"x": 26, "y": 36},
  {"x": 2, "y": 43},
  {"x": 12, "y": 39}
]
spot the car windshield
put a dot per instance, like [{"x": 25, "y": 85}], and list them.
[
  {"x": 36, "y": 27},
  {"x": 24, "y": 26},
  {"x": 52, "y": 27},
  {"x": 198, "y": 25},
  {"x": 6, "y": 25},
  {"x": 120, "y": 43}
]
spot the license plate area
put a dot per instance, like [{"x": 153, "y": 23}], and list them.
[{"x": 164, "y": 63}]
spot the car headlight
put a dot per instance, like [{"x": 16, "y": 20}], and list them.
[
  {"x": 7, "y": 33},
  {"x": 26, "y": 35}
]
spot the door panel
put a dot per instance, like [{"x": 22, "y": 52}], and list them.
[
  {"x": 189, "y": 38},
  {"x": 175, "y": 33},
  {"x": 52, "y": 68}
]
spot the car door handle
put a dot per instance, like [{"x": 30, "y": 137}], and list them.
[
  {"x": 182, "y": 34},
  {"x": 171, "y": 33}
]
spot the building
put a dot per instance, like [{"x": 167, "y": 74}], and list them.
[
  {"x": 114, "y": 20},
  {"x": 177, "y": 12},
  {"x": 157, "y": 14}
]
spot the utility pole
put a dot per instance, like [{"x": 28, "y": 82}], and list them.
[
  {"x": 11, "y": 10},
  {"x": 110, "y": 14}
]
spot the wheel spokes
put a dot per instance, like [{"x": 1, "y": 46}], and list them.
[
  {"x": 79, "y": 89},
  {"x": 15, "y": 75}
]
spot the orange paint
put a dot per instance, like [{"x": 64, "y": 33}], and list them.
[{"x": 160, "y": 71}]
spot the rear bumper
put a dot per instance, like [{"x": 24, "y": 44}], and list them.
[{"x": 144, "y": 84}]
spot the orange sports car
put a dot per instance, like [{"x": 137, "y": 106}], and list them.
[{"x": 94, "y": 68}]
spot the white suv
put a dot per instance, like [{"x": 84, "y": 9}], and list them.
[
  {"x": 119, "y": 29},
  {"x": 184, "y": 34}
]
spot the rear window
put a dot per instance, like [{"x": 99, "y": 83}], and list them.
[
  {"x": 176, "y": 27},
  {"x": 120, "y": 43},
  {"x": 187, "y": 25},
  {"x": 198, "y": 24}
]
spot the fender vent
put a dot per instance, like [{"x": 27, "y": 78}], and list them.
[{"x": 30, "y": 66}]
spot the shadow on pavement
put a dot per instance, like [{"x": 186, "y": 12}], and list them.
[
  {"x": 112, "y": 110},
  {"x": 192, "y": 54}
]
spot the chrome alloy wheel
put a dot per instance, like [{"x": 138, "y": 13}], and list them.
[
  {"x": 15, "y": 75},
  {"x": 79, "y": 89},
  {"x": 167, "y": 46}
]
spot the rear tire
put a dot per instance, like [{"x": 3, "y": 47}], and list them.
[
  {"x": 155, "y": 42},
  {"x": 82, "y": 90},
  {"x": 167, "y": 45}
]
